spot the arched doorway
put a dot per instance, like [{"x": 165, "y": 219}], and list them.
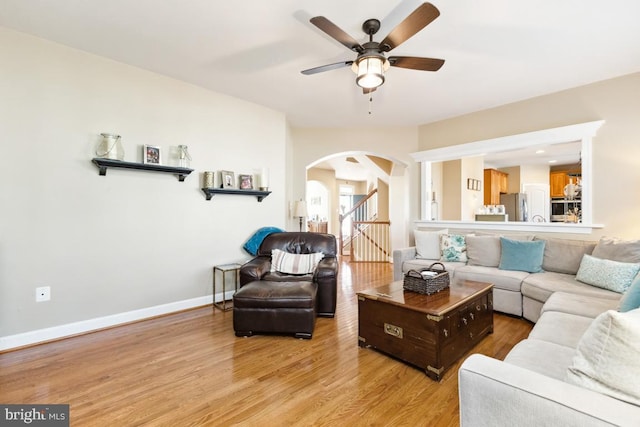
[{"x": 358, "y": 200}]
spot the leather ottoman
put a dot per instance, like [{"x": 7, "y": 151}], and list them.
[{"x": 263, "y": 306}]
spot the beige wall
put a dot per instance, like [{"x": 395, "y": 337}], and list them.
[
  {"x": 458, "y": 203},
  {"x": 616, "y": 148},
  {"x": 513, "y": 180},
  {"x": 383, "y": 200},
  {"x": 471, "y": 200},
  {"x": 451, "y": 190},
  {"x": 129, "y": 240}
]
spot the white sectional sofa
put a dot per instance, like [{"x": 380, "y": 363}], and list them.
[
  {"x": 531, "y": 387},
  {"x": 580, "y": 365},
  {"x": 515, "y": 292}
]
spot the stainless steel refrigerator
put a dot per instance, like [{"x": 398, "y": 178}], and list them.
[{"x": 515, "y": 205}]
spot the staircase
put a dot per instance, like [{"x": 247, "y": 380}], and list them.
[{"x": 368, "y": 239}]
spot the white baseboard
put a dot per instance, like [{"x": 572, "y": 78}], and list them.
[{"x": 75, "y": 328}]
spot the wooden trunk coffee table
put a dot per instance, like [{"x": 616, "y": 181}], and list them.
[{"x": 428, "y": 331}]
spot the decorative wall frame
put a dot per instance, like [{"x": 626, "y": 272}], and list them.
[
  {"x": 227, "y": 179},
  {"x": 151, "y": 155},
  {"x": 474, "y": 184},
  {"x": 245, "y": 182}
]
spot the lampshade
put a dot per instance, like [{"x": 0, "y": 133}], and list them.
[
  {"x": 370, "y": 71},
  {"x": 300, "y": 208}
]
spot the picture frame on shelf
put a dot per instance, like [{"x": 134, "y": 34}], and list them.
[
  {"x": 151, "y": 155},
  {"x": 227, "y": 179},
  {"x": 245, "y": 182}
]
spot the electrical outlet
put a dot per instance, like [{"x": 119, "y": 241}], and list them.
[{"x": 43, "y": 293}]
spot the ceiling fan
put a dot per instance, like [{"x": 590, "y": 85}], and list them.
[{"x": 371, "y": 63}]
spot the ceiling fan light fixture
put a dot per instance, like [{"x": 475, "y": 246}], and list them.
[{"x": 370, "y": 70}]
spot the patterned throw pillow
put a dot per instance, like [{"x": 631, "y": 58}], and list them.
[
  {"x": 603, "y": 273},
  {"x": 453, "y": 248},
  {"x": 284, "y": 262}
]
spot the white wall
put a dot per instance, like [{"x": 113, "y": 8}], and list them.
[{"x": 130, "y": 239}]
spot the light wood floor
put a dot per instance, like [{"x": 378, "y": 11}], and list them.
[{"x": 189, "y": 369}]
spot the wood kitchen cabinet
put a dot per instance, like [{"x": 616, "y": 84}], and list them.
[
  {"x": 557, "y": 181},
  {"x": 495, "y": 183}
]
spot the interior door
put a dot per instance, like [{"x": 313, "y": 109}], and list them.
[{"x": 538, "y": 202}]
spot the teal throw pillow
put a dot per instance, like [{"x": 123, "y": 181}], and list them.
[
  {"x": 521, "y": 255},
  {"x": 607, "y": 274},
  {"x": 631, "y": 298},
  {"x": 453, "y": 248}
]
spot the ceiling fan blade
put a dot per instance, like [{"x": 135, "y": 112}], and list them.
[
  {"x": 337, "y": 33},
  {"x": 416, "y": 21},
  {"x": 327, "y": 67},
  {"x": 414, "y": 63}
]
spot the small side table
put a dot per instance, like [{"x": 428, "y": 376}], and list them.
[{"x": 224, "y": 270}]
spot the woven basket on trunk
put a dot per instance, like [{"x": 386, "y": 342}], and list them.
[{"x": 434, "y": 280}]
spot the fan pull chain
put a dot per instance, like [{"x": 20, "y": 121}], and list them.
[{"x": 370, "y": 103}]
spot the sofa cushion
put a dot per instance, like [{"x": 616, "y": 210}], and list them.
[
  {"x": 275, "y": 276},
  {"x": 546, "y": 358},
  {"x": 540, "y": 286},
  {"x": 428, "y": 243},
  {"x": 284, "y": 262},
  {"x": 501, "y": 279},
  {"x": 521, "y": 255},
  {"x": 580, "y": 305},
  {"x": 631, "y": 298},
  {"x": 483, "y": 250},
  {"x": 453, "y": 248},
  {"x": 606, "y": 359},
  {"x": 512, "y": 236},
  {"x": 607, "y": 274},
  {"x": 560, "y": 328},
  {"x": 618, "y": 250},
  {"x": 564, "y": 255}
]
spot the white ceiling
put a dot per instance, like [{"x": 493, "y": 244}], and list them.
[{"x": 496, "y": 51}]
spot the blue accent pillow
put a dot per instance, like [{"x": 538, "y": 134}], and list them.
[
  {"x": 253, "y": 244},
  {"x": 631, "y": 298},
  {"x": 521, "y": 255}
]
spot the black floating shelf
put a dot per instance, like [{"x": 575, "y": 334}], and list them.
[
  {"x": 104, "y": 164},
  {"x": 210, "y": 192}
]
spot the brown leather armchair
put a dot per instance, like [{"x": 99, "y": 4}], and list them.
[{"x": 325, "y": 275}]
